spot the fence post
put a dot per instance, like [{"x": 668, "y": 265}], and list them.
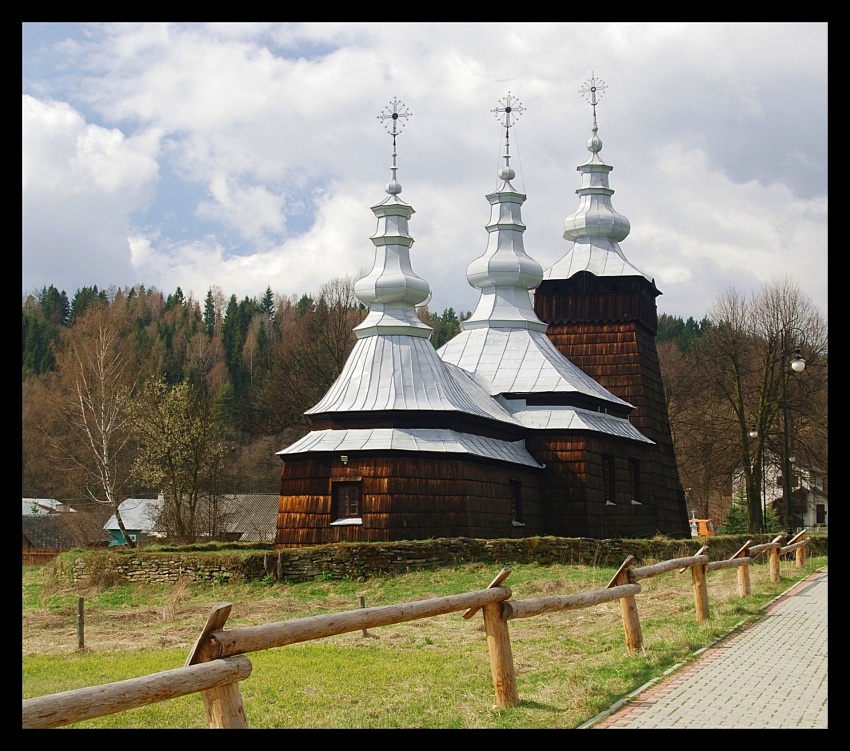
[
  {"x": 501, "y": 656},
  {"x": 628, "y": 608},
  {"x": 801, "y": 551},
  {"x": 223, "y": 703},
  {"x": 81, "y": 625},
  {"x": 700, "y": 591},
  {"x": 774, "y": 559},
  {"x": 363, "y": 605},
  {"x": 744, "y": 588}
]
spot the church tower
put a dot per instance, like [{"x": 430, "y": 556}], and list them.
[{"x": 602, "y": 316}]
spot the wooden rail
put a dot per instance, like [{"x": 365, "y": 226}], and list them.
[
  {"x": 236, "y": 641},
  {"x": 80, "y": 704},
  {"x": 216, "y": 664}
]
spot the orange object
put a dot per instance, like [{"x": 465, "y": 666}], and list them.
[{"x": 702, "y": 528}]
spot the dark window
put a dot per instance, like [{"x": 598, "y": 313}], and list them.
[
  {"x": 516, "y": 500},
  {"x": 820, "y": 513},
  {"x": 346, "y": 500},
  {"x": 608, "y": 477},
  {"x": 634, "y": 472}
]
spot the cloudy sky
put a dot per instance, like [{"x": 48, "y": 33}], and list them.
[{"x": 247, "y": 155}]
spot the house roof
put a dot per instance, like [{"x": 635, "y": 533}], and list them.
[
  {"x": 137, "y": 513},
  {"x": 252, "y": 515},
  {"x": 394, "y": 373},
  {"x": 574, "y": 418},
  {"x": 521, "y": 361},
  {"x": 43, "y": 506},
  {"x": 61, "y": 531}
]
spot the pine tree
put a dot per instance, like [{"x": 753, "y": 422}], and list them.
[
  {"x": 209, "y": 314},
  {"x": 54, "y": 304},
  {"x": 83, "y": 298},
  {"x": 267, "y": 303}
]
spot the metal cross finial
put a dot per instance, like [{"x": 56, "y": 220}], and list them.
[
  {"x": 511, "y": 106},
  {"x": 592, "y": 91},
  {"x": 507, "y": 115},
  {"x": 393, "y": 113}
]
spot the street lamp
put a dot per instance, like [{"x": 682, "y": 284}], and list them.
[
  {"x": 798, "y": 365},
  {"x": 754, "y": 433}
]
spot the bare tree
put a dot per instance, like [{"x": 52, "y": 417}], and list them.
[
  {"x": 309, "y": 353},
  {"x": 745, "y": 384},
  {"x": 96, "y": 379}
]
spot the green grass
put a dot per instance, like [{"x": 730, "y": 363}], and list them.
[{"x": 430, "y": 673}]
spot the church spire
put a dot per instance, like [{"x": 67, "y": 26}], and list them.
[
  {"x": 505, "y": 274},
  {"x": 595, "y": 228},
  {"x": 392, "y": 290}
]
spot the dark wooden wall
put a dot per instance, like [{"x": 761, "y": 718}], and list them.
[
  {"x": 606, "y": 326},
  {"x": 409, "y": 496},
  {"x": 574, "y": 487}
]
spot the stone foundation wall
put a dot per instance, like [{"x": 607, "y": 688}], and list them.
[{"x": 362, "y": 560}]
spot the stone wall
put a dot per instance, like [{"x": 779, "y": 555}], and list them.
[{"x": 362, "y": 560}]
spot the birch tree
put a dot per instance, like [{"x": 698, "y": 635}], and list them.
[{"x": 96, "y": 380}]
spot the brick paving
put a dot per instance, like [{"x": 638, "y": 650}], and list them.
[{"x": 768, "y": 673}]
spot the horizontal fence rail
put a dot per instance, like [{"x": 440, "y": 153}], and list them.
[
  {"x": 255, "y": 638},
  {"x": 555, "y": 603},
  {"x": 80, "y": 704},
  {"x": 216, "y": 664}
]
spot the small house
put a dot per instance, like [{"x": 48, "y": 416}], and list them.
[{"x": 139, "y": 516}]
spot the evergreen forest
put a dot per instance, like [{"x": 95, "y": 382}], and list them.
[{"x": 131, "y": 392}]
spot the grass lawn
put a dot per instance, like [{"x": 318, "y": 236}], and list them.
[{"x": 428, "y": 673}]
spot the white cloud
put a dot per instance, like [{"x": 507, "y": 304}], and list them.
[
  {"x": 270, "y": 152},
  {"x": 81, "y": 186}
]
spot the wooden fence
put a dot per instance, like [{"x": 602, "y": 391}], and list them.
[
  {"x": 216, "y": 662},
  {"x": 39, "y": 556}
]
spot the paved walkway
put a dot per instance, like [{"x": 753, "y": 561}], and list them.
[{"x": 768, "y": 673}]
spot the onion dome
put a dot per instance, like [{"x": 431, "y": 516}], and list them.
[
  {"x": 505, "y": 274},
  {"x": 392, "y": 290},
  {"x": 595, "y": 228},
  {"x": 503, "y": 342}
]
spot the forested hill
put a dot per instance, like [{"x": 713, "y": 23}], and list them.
[
  {"x": 129, "y": 392},
  {"x": 258, "y": 362}
]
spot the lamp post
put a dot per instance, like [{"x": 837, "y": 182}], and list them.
[
  {"x": 754, "y": 433},
  {"x": 798, "y": 364}
]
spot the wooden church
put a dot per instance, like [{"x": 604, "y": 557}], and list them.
[{"x": 543, "y": 416}]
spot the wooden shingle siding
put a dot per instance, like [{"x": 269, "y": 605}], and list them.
[
  {"x": 407, "y": 497},
  {"x": 607, "y": 327}
]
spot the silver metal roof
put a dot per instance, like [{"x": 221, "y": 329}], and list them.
[
  {"x": 405, "y": 373},
  {"x": 412, "y": 439},
  {"x": 137, "y": 513},
  {"x": 504, "y": 342},
  {"x": 573, "y": 418},
  {"x": 43, "y": 506},
  {"x": 521, "y": 361},
  {"x": 392, "y": 289},
  {"x": 502, "y": 348},
  {"x": 595, "y": 228}
]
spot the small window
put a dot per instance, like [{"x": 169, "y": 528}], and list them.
[
  {"x": 516, "y": 503},
  {"x": 347, "y": 502},
  {"x": 634, "y": 478},
  {"x": 608, "y": 479}
]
